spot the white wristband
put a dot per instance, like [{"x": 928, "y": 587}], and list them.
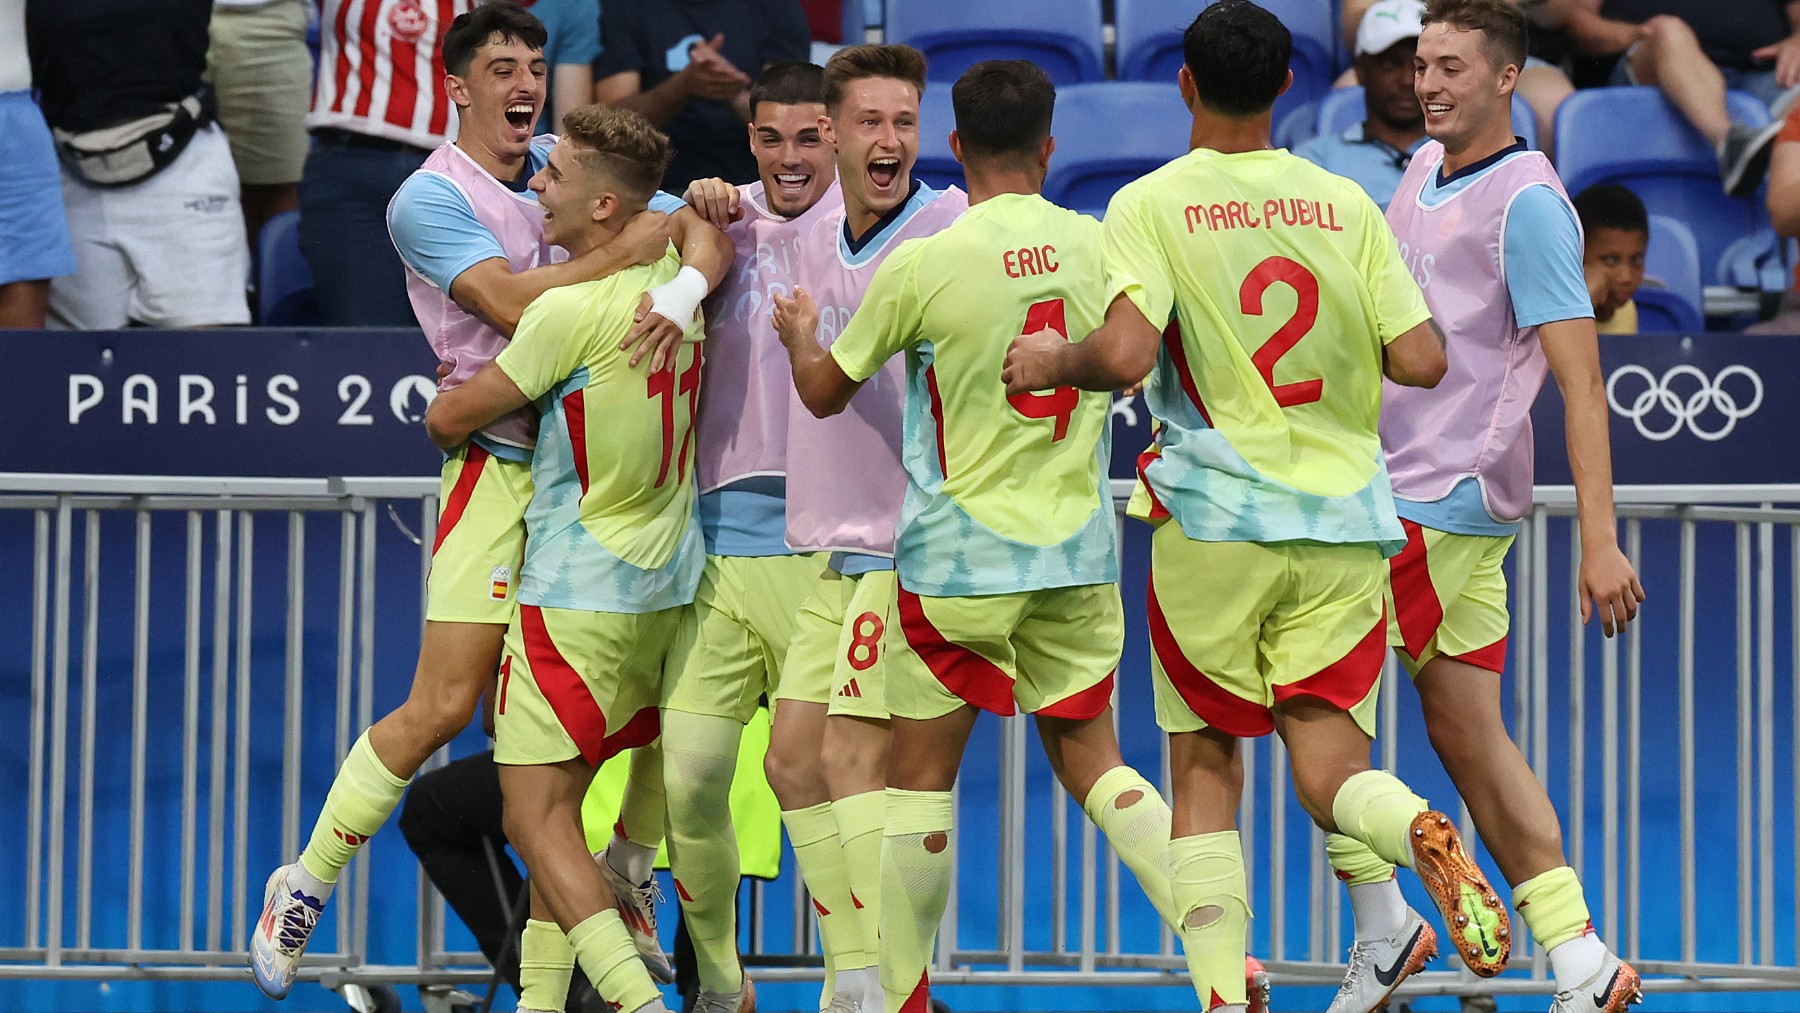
[{"x": 678, "y": 298}]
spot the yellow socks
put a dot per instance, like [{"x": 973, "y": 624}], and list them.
[
  {"x": 546, "y": 964},
  {"x": 359, "y": 802},
  {"x": 1376, "y": 808},
  {"x": 915, "y": 881},
  {"x": 699, "y": 759},
  {"x": 1206, "y": 873},
  {"x": 1375, "y": 899},
  {"x": 610, "y": 958},
  {"x": 1135, "y": 820},
  {"x": 813, "y": 833},
  {"x": 1557, "y": 915},
  {"x": 859, "y": 822}
]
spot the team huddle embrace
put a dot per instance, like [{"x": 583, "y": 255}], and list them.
[{"x": 837, "y": 441}]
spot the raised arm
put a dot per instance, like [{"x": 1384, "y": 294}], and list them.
[
  {"x": 1609, "y": 583},
  {"x": 492, "y": 291},
  {"x": 666, "y": 310},
  {"x": 1117, "y": 355}
]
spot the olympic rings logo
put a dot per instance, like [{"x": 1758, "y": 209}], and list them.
[{"x": 1684, "y": 397}]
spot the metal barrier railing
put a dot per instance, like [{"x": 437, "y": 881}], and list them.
[{"x": 1086, "y": 928}]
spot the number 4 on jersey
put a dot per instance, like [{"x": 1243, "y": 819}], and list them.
[{"x": 1058, "y": 404}]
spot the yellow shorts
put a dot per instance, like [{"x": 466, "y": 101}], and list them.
[
  {"x": 730, "y": 648},
  {"x": 480, "y": 538},
  {"x": 1052, "y": 651},
  {"x": 579, "y": 684},
  {"x": 1449, "y": 598},
  {"x": 837, "y": 654},
  {"x": 1237, "y": 627}
]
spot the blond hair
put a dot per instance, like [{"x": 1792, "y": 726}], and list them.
[{"x": 620, "y": 146}]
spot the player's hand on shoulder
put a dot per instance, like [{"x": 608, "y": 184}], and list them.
[
  {"x": 651, "y": 334},
  {"x": 646, "y": 237},
  {"x": 715, "y": 200},
  {"x": 1609, "y": 584},
  {"x": 1031, "y": 361},
  {"x": 795, "y": 317}
]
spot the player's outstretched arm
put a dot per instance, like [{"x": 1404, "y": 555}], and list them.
[
  {"x": 1116, "y": 356},
  {"x": 1416, "y": 358},
  {"x": 493, "y": 292},
  {"x": 457, "y": 413},
  {"x": 823, "y": 385},
  {"x": 666, "y": 310},
  {"x": 1609, "y": 583}
]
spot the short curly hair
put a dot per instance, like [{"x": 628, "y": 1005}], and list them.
[{"x": 621, "y": 146}]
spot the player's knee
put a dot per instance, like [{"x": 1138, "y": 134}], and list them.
[
  {"x": 1667, "y": 35},
  {"x": 792, "y": 773}
]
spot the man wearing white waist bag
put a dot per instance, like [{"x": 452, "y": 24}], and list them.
[{"x": 147, "y": 177}]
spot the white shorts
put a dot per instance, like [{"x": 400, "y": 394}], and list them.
[{"x": 166, "y": 252}]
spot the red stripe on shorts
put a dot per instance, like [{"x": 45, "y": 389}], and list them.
[
  {"x": 568, "y": 696},
  {"x": 1211, "y": 702},
  {"x": 473, "y": 464},
  {"x": 937, "y": 416},
  {"x": 1345, "y": 682},
  {"x": 575, "y": 411},
  {"x": 973, "y": 678},
  {"x": 1086, "y": 705},
  {"x": 640, "y": 731},
  {"x": 1492, "y": 657},
  {"x": 1416, "y": 605}
]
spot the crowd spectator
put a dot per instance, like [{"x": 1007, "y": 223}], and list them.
[
  {"x": 1693, "y": 50},
  {"x": 1615, "y": 234},
  {"x": 147, "y": 180},
  {"x": 686, "y": 65},
  {"x": 1784, "y": 211},
  {"x": 572, "y": 28},
  {"x": 1542, "y": 85},
  {"x": 261, "y": 72},
  {"x": 379, "y": 108},
  {"x": 1376, "y": 151},
  {"x": 31, "y": 212}
]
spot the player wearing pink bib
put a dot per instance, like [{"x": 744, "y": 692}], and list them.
[
  {"x": 471, "y": 234},
  {"x": 1488, "y": 232}
]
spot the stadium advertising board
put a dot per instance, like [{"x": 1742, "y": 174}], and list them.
[{"x": 323, "y": 402}]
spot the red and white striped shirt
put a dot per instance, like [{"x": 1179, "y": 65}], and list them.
[{"x": 381, "y": 71}]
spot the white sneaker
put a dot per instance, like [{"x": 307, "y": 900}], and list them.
[
  {"x": 280, "y": 936},
  {"x": 637, "y": 909},
  {"x": 1612, "y": 989},
  {"x": 1378, "y": 966},
  {"x": 842, "y": 1004},
  {"x": 741, "y": 1001}
]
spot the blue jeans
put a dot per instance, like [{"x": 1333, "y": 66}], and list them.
[{"x": 358, "y": 279}]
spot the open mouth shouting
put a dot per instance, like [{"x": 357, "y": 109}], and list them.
[
  {"x": 884, "y": 175},
  {"x": 519, "y": 116}
]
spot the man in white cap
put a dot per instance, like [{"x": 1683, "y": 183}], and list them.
[{"x": 1375, "y": 152}]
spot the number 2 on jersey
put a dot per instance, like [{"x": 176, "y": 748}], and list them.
[
  {"x": 1306, "y": 314},
  {"x": 1058, "y": 404},
  {"x": 663, "y": 384}
]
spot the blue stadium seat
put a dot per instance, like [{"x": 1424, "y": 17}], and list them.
[
  {"x": 1672, "y": 289},
  {"x": 284, "y": 287},
  {"x": 1095, "y": 156},
  {"x": 1061, "y": 36},
  {"x": 1632, "y": 136},
  {"x": 1343, "y": 107},
  {"x": 936, "y": 165}
]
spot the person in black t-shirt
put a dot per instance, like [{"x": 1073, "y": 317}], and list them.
[
  {"x": 1695, "y": 49},
  {"x": 147, "y": 177},
  {"x": 686, "y": 65}
]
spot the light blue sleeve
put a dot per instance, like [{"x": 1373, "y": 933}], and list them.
[
  {"x": 1542, "y": 247},
  {"x": 666, "y": 202},
  {"x": 435, "y": 230}
]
